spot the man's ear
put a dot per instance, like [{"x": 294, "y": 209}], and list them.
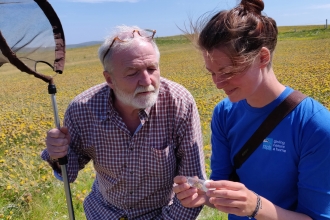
[
  {"x": 107, "y": 77},
  {"x": 264, "y": 57}
]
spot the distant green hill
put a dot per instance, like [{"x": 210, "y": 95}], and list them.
[
  {"x": 303, "y": 32},
  {"x": 285, "y": 32},
  {"x": 85, "y": 44}
]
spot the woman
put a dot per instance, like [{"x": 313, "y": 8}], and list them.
[{"x": 287, "y": 176}]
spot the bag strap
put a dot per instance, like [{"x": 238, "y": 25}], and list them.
[{"x": 272, "y": 120}]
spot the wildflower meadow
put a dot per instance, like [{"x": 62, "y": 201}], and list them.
[{"x": 28, "y": 189}]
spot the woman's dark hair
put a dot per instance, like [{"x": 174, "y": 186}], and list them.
[{"x": 243, "y": 31}]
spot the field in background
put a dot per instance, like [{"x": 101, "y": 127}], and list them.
[{"x": 28, "y": 189}]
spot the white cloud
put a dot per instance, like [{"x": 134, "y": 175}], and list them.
[{"x": 101, "y": 1}]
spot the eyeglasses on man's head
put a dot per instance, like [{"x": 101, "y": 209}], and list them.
[{"x": 147, "y": 33}]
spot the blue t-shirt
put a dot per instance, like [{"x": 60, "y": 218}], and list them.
[{"x": 291, "y": 168}]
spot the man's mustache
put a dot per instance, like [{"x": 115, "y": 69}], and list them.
[{"x": 140, "y": 89}]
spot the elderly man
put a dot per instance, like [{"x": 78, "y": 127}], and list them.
[{"x": 139, "y": 129}]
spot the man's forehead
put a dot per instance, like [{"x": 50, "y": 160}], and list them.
[
  {"x": 136, "y": 46},
  {"x": 143, "y": 43},
  {"x": 134, "y": 64}
]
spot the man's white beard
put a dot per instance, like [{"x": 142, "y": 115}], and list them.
[{"x": 135, "y": 100}]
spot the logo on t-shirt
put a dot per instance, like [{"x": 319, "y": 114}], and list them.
[
  {"x": 273, "y": 145},
  {"x": 279, "y": 146},
  {"x": 267, "y": 144}
]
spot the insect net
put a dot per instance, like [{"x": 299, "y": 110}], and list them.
[{"x": 31, "y": 36}]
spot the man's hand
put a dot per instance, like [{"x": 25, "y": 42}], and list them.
[
  {"x": 57, "y": 142},
  {"x": 189, "y": 196}
]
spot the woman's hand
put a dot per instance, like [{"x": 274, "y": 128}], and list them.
[
  {"x": 235, "y": 198},
  {"x": 232, "y": 197}
]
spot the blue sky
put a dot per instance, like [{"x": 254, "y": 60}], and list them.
[{"x": 92, "y": 20}]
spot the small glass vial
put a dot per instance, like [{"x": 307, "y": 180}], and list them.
[{"x": 197, "y": 183}]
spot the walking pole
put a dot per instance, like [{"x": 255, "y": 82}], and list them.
[{"x": 64, "y": 160}]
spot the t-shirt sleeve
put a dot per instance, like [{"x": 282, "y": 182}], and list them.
[
  {"x": 314, "y": 167},
  {"x": 221, "y": 165}
]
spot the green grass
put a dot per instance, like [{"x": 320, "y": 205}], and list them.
[
  {"x": 305, "y": 35},
  {"x": 172, "y": 40},
  {"x": 208, "y": 213},
  {"x": 284, "y": 29}
]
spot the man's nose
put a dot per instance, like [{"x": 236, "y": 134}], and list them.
[{"x": 145, "y": 79}]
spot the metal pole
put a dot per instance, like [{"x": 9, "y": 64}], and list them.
[
  {"x": 326, "y": 23},
  {"x": 62, "y": 161}
]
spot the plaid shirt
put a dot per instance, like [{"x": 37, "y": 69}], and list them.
[{"x": 134, "y": 173}]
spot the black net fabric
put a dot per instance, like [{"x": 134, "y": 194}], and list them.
[{"x": 28, "y": 33}]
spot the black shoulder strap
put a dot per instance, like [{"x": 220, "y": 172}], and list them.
[{"x": 272, "y": 120}]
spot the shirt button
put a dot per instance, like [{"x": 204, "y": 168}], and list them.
[
  {"x": 131, "y": 149},
  {"x": 131, "y": 192},
  {"x": 131, "y": 172}
]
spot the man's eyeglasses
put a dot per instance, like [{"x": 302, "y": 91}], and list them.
[{"x": 147, "y": 33}]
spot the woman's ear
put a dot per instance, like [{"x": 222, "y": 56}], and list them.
[
  {"x": 107, "y": 77},
  {"x": 265, "y": 57}
]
